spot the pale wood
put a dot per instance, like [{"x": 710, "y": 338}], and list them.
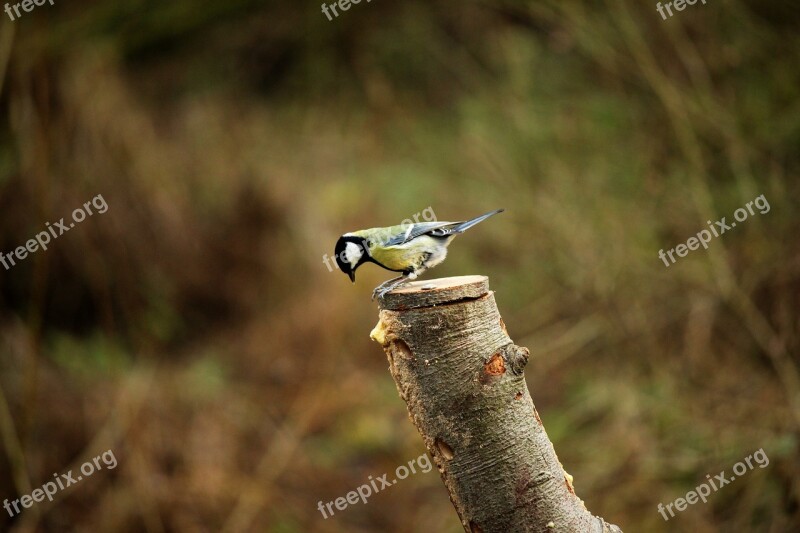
[
  {"x": 428, "y": 293},
  {"x": 462, "y": 379}
]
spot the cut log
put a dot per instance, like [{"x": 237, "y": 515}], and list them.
[{"x": 462, "y": 379}]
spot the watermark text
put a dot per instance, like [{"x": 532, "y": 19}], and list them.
[
  {"x": 701, "y": 492},
  {"x": 368, "y": 489},
  {"x": 718, "y": 228},
  {"x": 62, "y": 481},
  {"x": 42, "y": 239}
]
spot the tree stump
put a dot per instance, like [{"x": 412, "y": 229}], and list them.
[{"x": 462, "y": 379}]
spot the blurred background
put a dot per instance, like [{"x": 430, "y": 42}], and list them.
[{"x": 194, "y": 329}]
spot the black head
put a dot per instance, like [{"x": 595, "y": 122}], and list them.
[{"x": 351, "y": 253}]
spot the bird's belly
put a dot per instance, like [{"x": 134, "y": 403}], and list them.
[
  {"x": 438, "y": 255},
  {"x": 399, "y": 259},
  {"x": 423, "y": 251}
]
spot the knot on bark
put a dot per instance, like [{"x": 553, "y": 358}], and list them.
[
  {"x": 496, "y": 366},
  {"x": 516, "y": 357}
]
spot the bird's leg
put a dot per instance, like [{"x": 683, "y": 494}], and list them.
[
  {"x": 388, "y": 286},
  {"x": 392, "y": 284}
]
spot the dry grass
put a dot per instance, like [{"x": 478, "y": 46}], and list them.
[{"x": 194, "y": 330}]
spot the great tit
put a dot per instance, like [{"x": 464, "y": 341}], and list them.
[{"x": 409, "y": 248}]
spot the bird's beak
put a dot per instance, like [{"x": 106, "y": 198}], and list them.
[{"x": 353, "y": 276}]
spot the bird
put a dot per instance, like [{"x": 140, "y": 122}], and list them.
[{"x": 410, "y": 249}]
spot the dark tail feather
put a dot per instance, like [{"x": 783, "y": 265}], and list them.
[{"x": 464, "y": 226}]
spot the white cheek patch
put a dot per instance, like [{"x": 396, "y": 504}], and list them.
[{"x": 352, "y": 253}]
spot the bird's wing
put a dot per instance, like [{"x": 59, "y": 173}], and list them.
[{"x": 412, "y": 231}]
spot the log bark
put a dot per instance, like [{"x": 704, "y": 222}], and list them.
[{"x": 462, "y": 379}]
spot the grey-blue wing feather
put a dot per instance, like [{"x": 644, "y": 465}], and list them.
[{"x": 435, "y": 229}]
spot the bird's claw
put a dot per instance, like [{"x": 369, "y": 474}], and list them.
[
  {"x": 385, "y": 288},
  {"x": 380, "y": 292},
  {"x": 377, "y": 293}
]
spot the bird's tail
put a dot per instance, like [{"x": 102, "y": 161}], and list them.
[{"x": 464, "y": 226}]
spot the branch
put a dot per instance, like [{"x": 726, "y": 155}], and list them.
[{"x": 462, "y": 379}]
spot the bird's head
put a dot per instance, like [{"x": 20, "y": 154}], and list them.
[{"x": 351, "y": 253}]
